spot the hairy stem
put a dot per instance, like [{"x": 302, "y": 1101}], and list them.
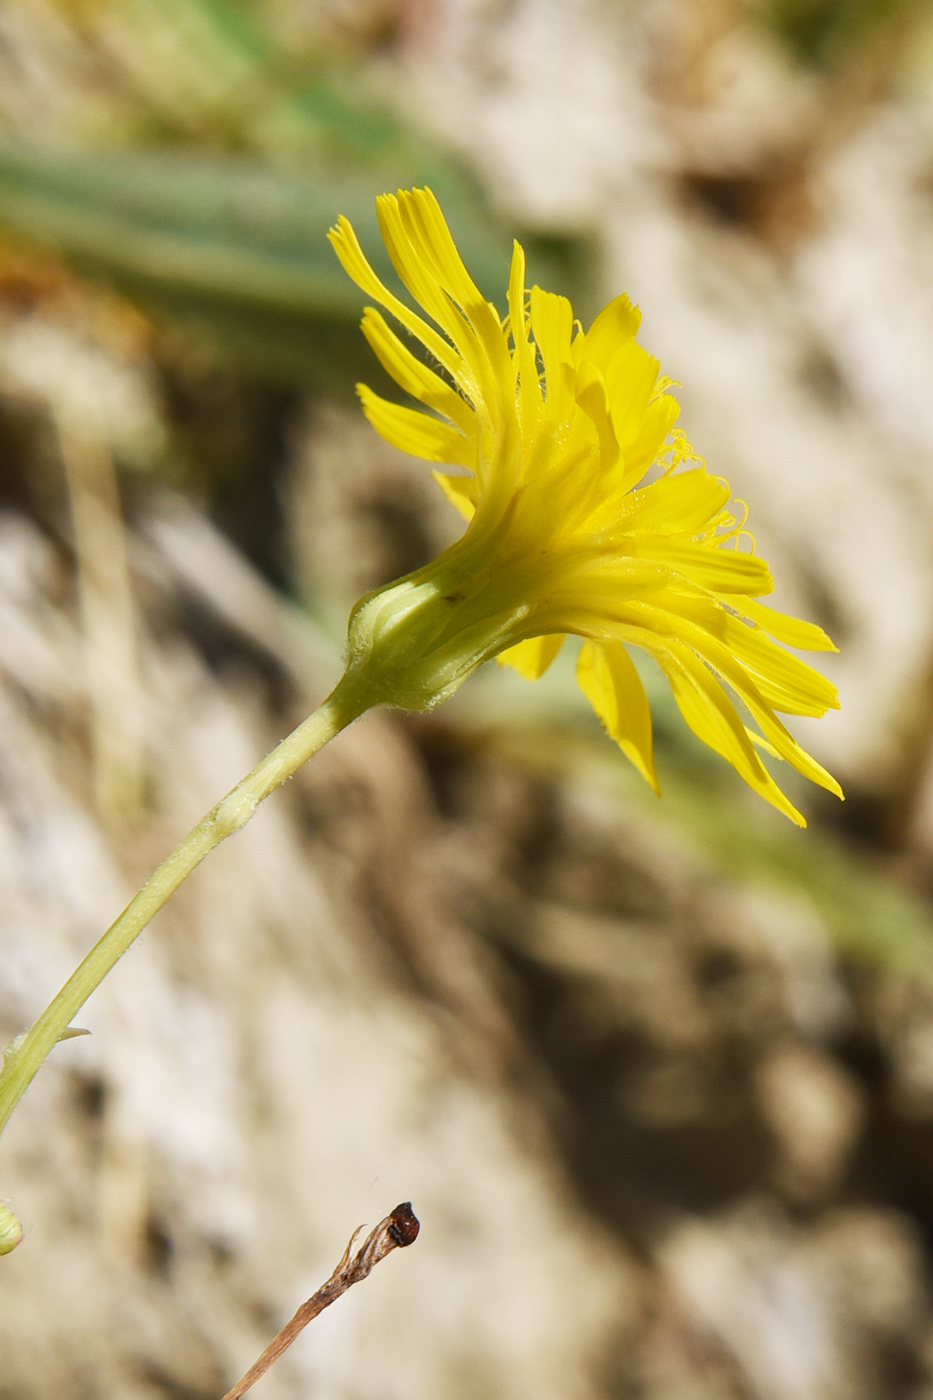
[{"x": 26, "y": 1055}]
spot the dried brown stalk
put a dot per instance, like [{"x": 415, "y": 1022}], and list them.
[{"x": 395, "y": 1232}]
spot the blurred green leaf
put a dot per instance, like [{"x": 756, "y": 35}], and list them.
[
  {"x": 230, "y": 244},
  {"x": 549, "y": 727},
  {"x": 246, "y": 152},
  {"x": 820, "y": 32},
  {"x": 219, "y": 70}
]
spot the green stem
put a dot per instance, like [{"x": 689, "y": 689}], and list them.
[{"x": 23, "y": 1060}]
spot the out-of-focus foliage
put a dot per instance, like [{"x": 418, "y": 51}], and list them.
[
  {"x": 823, "y": 32},
  {"x": 549, "y": 731},
  {"x": 234, "y": 245},
  {"x": 234, "y": 157}
]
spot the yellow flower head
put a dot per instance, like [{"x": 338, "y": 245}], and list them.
[{"x": 588, "y": 513}]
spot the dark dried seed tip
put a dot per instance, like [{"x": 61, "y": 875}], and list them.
[{"x": 405, "y": 1225}]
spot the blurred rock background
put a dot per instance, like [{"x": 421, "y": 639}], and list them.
[{"x": 658, "y": 1077}]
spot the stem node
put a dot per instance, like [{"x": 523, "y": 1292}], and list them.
[{"x": 234, "y": 812}]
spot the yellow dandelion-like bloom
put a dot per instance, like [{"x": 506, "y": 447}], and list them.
[{"x": 588, "y": 514}]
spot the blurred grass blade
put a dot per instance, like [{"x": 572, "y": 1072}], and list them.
[
  {"x": 224, "y": 227},
  {"x": 234, "y": 245},
  {"x": 549, "y": 729}
]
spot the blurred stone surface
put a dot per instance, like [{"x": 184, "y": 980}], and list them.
[
  {"x": 264, "y": 1072},
  {"x": 596, "y": 1067},
  {"x": 802, "y": 1312},
  {"x": 663, "y": 1139},
  {"x": 814, "y": 1109}
]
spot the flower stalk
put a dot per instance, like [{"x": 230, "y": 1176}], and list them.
[{"x": 350, "y": 698}]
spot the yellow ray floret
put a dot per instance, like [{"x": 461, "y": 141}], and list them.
[{"x": 588, "y": 513}]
